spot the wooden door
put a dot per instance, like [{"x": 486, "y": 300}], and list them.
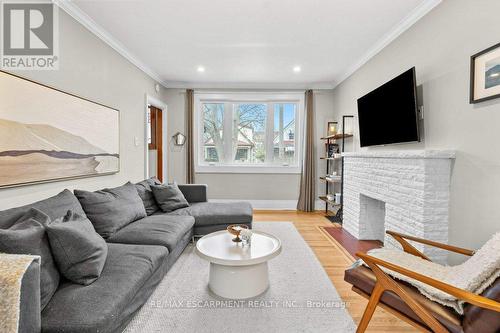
[{"x": 156, "y": 141}]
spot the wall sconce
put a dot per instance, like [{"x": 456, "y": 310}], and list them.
[{"x": 179, "y": 139}]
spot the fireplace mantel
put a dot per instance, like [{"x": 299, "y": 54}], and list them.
[
  {"x": 410, "y": 191},
  {"x": 412, "y": 154}
]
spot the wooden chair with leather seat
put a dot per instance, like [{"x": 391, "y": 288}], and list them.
[{"x": 481, "y": 313}]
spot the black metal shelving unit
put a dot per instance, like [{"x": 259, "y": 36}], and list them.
[{"x": 332, "y": 139}]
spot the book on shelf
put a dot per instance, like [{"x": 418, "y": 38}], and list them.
[{"x": 332, "y": 149}]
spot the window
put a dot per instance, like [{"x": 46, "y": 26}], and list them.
[
  {"x": 213, "y": 122},
  {"x": 248, "y": 132},
  {"x": 211, "y": 154},
  {"x": 284, "y": 133}
]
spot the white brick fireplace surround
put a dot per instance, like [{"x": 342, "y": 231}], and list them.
[{"x": 403, "y": 191}]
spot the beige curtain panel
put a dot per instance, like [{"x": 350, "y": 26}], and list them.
[
  {"x": 190, "y": 137},
  {"x": 307, "y": 176}
]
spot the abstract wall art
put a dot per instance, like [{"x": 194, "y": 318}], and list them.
[{"x": 48, "y": 135}]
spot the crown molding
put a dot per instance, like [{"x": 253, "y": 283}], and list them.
[
  {"x": 412, "y": 18},
  {"x": 249, "y": 85},
  {"x": 85, "y": 20}
]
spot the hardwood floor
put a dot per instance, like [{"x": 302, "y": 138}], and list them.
[{"x": 335, "y": 260}]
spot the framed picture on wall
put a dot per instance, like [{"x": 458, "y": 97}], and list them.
[
  {"x": 47, "y": 134},
  {"x": 331, "y": 128},
  {"x": 485, "y": 75}
]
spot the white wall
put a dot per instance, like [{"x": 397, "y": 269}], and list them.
[
  {"x": 91, "y": 69},
  {"x": 440, "y": 46},
  {"x": 152, "y": 163},
  {"x": 245, "y": 186},
  {"x": 324, "y": 113},
  {"x": 176, "y": 155}
]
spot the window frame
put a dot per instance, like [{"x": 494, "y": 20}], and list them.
[{"x": 270, "y": 98}]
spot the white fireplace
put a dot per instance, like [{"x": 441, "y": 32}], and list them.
[{"x": 403, "y": 191}]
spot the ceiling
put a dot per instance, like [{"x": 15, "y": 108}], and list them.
[{"x": 249, "y": 43}]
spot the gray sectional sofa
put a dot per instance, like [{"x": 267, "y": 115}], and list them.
[{"x": 139, "y": 255}]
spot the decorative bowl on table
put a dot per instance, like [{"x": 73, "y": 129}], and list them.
[{"x": 235, "y": 229}]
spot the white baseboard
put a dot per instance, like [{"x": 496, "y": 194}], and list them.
[{"x": 271, "y": 204}]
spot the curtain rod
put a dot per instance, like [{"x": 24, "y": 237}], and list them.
[
  {"x": 201, "y": 91},
  {"x": 243, "y": 91}
]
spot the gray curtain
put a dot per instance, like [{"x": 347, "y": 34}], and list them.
[
  {"x": 307, "y": 176},
  {"x": 190, "y": 137}
]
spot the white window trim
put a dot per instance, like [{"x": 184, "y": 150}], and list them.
[{"x": 199, "y": 98}]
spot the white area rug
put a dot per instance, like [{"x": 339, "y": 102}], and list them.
[{"x": 301, "y": 297}]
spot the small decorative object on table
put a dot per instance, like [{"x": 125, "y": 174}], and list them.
[
  {"x": 235, "y": 229},
  {"x": 246, "y": 236}
]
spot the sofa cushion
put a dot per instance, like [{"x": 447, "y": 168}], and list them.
[
  {"x": 100, "y": 306},
  {"x": 146, "y": 193},
  {"x": 54, "y": 207},
  {"x": 364, "y": 279},
  {"x": 79, "y": 251},
  {"x": 169, "y": 197},
  {"x": 157, "y": 229},
  {"x": 28, "y": 236},
  {"x": 111, "y": 209},
  {"x": 194, "y": 192},
  {"x": 477, "y": 319},
  {"x": 213, "y": 213}
]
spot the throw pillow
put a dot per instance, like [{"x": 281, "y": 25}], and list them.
[
  {"x": 169, "y": 197},
  {"x": 79, "y": 252},
  {"x": 53, "y": 207},
  {"x": 27, "y": 236},
  {"x": 111, "y": 209},
  {"x": 146, "y": 194}
]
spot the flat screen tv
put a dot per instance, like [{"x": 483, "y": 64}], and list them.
[{"x": 389, "y": 113}]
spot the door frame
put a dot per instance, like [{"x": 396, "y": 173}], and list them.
[{"x": 153, "y": 101}]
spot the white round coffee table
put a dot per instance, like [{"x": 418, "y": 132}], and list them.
[{"x": 238, "y": 271}]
